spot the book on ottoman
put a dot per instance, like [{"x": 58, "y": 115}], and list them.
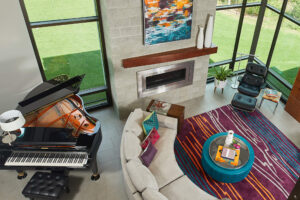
[{"x": 160, "y": 107}]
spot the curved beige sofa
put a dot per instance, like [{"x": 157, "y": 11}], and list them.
[{"x": 163, "y": 179}]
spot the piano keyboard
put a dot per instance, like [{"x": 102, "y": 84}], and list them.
[{"x": 45, "y": 159}]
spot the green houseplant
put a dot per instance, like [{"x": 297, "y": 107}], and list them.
[{"x": 221, "y": 74}]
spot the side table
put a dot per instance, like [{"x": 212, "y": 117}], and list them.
[
  {"x": 176, "y": 111},
  {"x": 275, "y": 98}
]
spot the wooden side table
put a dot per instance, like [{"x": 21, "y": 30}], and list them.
[{"x": 175, "y": 111}]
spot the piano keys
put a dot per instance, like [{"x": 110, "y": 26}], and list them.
[{"x": 47, "y": 159}]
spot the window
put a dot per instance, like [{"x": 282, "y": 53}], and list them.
[
  {"x": 225, "y": 28},
  {"x": 274, "y": 36},
  {"x": 67, "y": 40}
]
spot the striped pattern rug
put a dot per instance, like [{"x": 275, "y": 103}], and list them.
[{"x": 277, "y": 160}]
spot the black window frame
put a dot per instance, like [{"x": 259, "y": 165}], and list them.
[
  {"x": 263, "y": 6},
  {"x": 97, "y": 18}
]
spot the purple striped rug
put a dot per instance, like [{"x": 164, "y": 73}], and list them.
[{"x": 277, "y": 160}]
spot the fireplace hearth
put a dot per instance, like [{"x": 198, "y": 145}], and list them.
[{"x": 162, "y": 79}]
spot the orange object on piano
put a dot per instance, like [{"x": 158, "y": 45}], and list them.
[{"x": 67, "y": 113}]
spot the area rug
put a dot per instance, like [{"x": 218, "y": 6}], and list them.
[{"x": 277, "y": 160}]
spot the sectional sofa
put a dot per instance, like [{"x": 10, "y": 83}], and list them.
[{"x": 163, "y": 179}]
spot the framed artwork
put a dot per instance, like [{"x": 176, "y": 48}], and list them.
[{"x": 167, "y": 20}]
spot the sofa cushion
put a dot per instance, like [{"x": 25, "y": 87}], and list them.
[
  {"x": 141, "y": 176},
  {"x": 184, "y": 189},
  {"x": 150, "y": 122},
  {"x": 164, "y": 121},
  {"x": 134, "y": 123},
  {"x": 137, "y": 196},
  {"x": 164, "y": 165},
  {"x": 150, "y": 194},
  {"x": 148, "y": 154},
  {"x": 152, "y": 137},
  {"x": 132, "y": 148}
]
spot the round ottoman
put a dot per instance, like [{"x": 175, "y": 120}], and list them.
[{"x": 226, "y": 175}]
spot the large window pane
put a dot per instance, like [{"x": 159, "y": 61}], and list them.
[
  {"x": 72, "y": 50},
  {"x": 286, "y": 56},
  {"x": 229, "y": 2},
  {"x": 275, "y": 83},
  {"x": 266, "y": 35},
  {"x": 225, "y": 29},
  {"x": 248, "y": 30},
  {"x": 95, "y": 99},
  {"x": 233, "y": 2},
  {"x": 293, "y": 9},
  {"x": 276, "y": 3},
  {"x": 44, "y": 10}
]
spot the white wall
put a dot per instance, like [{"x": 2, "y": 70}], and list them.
[{"x": 19, "y": 72}]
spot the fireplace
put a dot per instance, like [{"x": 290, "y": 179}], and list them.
[{"x": 162, "y": 79}]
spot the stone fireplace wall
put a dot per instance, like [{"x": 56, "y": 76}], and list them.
[{"x": 123, "y": 32}]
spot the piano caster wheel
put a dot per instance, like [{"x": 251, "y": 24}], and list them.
[
  {"x": 95, "y": 177},
  {"x": 22, "y": 175}
]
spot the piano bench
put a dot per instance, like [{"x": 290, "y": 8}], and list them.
[{"x": 44, "y": 185}]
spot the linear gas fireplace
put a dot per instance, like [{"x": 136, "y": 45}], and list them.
[{"x": 162, "y": 79}]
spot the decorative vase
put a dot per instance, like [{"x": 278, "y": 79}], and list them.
[
  {"x": 200, "y": 38},
  {"x": 220, "y": 84},
  {"x": 209, "y": 32}
]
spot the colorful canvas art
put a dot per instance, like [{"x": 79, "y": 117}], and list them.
[{"x": 167, "y": 20}]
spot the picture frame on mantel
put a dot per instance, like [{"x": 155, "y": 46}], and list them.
[{"x": 167, "y": 20}]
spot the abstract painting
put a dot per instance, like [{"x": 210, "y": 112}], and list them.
[{"x": 167, "y": 20}]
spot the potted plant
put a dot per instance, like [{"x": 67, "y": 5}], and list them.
[{"x": 221, "y": 75}]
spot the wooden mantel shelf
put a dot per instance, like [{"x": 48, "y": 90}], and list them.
[{"x": 168, "y": 56}]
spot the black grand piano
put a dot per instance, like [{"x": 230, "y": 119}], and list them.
[{"x": 58, "y": 134}]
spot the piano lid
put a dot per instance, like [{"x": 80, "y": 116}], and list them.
[{"x": 49, "y": 92}]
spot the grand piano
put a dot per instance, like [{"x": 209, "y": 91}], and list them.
[{"x": 53, "y": 107}]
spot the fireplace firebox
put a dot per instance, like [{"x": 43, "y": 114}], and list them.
[{"x": 162, "y": 79}]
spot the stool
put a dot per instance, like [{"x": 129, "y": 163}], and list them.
[
  {"x": 244, "y": 102},
  {"x": 44, "y": 185}
]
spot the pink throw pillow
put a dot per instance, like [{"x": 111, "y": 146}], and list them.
[{"x": 152, "y": 137}]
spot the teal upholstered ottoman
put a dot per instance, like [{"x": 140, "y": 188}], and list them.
[{"x": 225, "y": 172}]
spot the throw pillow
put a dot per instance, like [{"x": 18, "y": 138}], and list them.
[
  {"x": 150, "y": 122},
  {"x": 132, "y": 147},
  {"x": 152, "y": 137},
  {"x": 140, "y": 176},
  {"x": 150, "y": 194},
  {"x": 148, "y": 154}
]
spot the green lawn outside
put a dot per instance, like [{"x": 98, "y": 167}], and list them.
[{"x": 44, "y": 10}]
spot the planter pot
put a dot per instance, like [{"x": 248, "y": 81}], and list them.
[{"x": 220, "y": 84}]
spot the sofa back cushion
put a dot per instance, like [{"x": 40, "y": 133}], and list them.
[
  {"x": 150, "y": 194},
  {"x": 134, "y": 123},
  {"x": 132, "y": 148},
  {"x": 141, "y": 176}
]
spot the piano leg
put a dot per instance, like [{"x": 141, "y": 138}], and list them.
[
  {"x": 95, "y": 171},
  {"x": 21, "y": 174}
]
